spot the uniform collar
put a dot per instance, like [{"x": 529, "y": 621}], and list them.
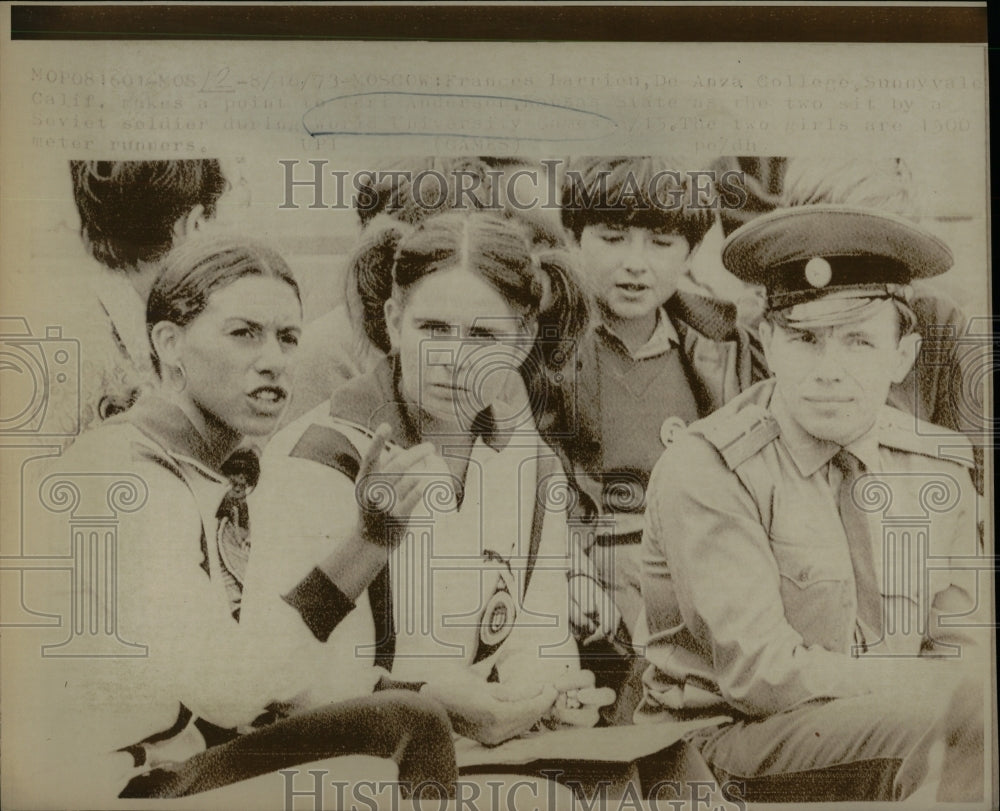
[
  {"x": 809, "y": 453},
  {"x": 866, "y": 446},
  {"x": 664, "y": 338},
  {"x": 375, "y": 398},
  {"x": 169, "y": 426}
]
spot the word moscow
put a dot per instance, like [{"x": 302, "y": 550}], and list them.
[
  {"x": 505, "y": 793},
  {"x": 504, "y": 187}
]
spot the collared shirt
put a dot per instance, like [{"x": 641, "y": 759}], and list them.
[
  {"x": 810, "y": 454},
  {"x": 663, "y": 338},
  {"x": 747, "y": 575},
  {"x": 147, "y": 574},
  {"x": 108, "y": 318},
  {"x": 126, "y": 312},
  {"x": 715, "y": 360}
]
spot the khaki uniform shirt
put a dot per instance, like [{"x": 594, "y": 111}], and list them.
[{"x": 747, "y": 575}]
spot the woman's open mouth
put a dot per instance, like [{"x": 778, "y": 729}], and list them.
[
  {"x": 268, "y": 399},
  {"x": 828, "y": 400}
]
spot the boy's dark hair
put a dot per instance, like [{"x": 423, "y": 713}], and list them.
[
  {"x": 128, "y": 209},
  {"x": 657, "y": 193}
]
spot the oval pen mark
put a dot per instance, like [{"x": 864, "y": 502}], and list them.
[{"x": 390, "y": 116}]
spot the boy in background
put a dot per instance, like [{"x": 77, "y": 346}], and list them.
[{"x": 656, "y": 359}]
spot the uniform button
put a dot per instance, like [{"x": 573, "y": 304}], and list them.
[{"x": 803, "y": 575}]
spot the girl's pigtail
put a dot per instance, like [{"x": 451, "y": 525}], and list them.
[
  {"x": 563, "y": 316},
  {"x": 564, "y": 311},
  {"x": 370, "y": 279}
]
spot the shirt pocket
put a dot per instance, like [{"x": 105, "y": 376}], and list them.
[{"x": 816, "y": 590}]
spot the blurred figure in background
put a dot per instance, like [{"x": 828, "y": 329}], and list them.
[{"x": 131, "y": 214}]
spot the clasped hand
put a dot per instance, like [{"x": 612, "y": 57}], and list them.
[{"x": 492, "y": 713}]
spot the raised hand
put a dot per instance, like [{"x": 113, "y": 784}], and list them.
[{"x": 391, "y": 483}]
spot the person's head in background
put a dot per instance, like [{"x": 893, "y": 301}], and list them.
[
  {"x": 133, "y": 212},
  {"x": 753, "y": 182},
  {"x": 466, "y": 302},
  {"x": 412, "y": 190},
  {"x": 224, "y": 319},
  {"x": 637, "y": 222},
  {"x": 884, "y": 184}
]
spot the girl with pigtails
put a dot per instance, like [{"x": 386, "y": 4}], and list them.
[{"x": 431, "y": 488}]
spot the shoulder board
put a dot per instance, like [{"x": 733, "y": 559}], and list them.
[
  {"x": 739, "y": 435},
  {"x": 904, "y": 432},
  {"x": 328, "y": 446}
]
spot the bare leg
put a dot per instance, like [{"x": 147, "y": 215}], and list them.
[{"x": 408, "y": 728}]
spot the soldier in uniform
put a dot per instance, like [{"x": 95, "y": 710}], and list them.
[{"x": 803, "y": 553}]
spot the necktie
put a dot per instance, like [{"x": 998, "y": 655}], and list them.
[
  {"x": 859, "y": 542},
  {"x": 233, "y": 538}
]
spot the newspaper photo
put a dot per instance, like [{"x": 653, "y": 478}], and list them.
[{"x": 487, "y": 407}]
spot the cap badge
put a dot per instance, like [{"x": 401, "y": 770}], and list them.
[{"x": 818, "y": 272}]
